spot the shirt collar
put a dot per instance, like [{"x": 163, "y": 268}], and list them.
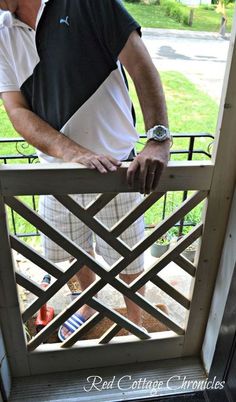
[{"x": 6, "y": 19}]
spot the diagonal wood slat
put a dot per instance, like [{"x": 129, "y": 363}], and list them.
[
  {"x": 51, "y": 291},
  {"x": 77, "y": 252},
  {"x": 28, "y": 284},
  {"x": 170, "y": 324},
  {"x": 114, "y": 316},
  {"x": 170, "y": 291},
  {"x": 92, "y": 263},
  {"x": 71, "y": 309},
  {"x": 57, "y": 237},
  {"x": 186, "y": 265},
  {"x": 57, "y": 321},
  {"x": 96, "y": 226},
  {"x": 109, "y": 334},
  {"x": 194, "y": 197},
  {"x": 134, "y": 214},
  {"x": 119, "y": 319},
  {"x": 33, "y": 256},
  {"x": 160, "y": 230},
  {"x": 165, "y": 260},
  {"x": 147, "y": 306},
  {"x": 97, "y": 205},
  {"x": 119, "y": 285},
  {"x": 89, "y": 324},
  {"x": 85, "y": 297}
]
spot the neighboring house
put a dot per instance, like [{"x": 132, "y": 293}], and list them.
[{"x": 194, "y": 2}]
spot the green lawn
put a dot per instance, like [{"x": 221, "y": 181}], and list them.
[{"x": 153, "y": 16}]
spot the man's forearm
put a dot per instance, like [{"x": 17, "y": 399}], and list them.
[
  {"x": 151, "y": 161},
  {"x": 42, "y": 136},
  {"x": 50, "y": 141},
  {"x": 151, "y": 96}
]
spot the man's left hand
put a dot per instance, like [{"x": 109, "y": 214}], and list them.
[{"x": 148, "y": 166}]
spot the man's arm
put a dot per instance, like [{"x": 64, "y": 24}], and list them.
[
  {"x": 48, "y": 140},
  {"x": 8, "y": 5},
  {"x": 149, "y": 164}
]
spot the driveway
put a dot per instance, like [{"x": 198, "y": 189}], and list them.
[{"x": 200, "y": 56}]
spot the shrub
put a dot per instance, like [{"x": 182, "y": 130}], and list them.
[{"x": 175, "y": 10}]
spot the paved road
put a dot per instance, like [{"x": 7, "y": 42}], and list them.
[{"x": 200, "y": 56}]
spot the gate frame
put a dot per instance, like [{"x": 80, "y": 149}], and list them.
[{"x": 204, "y": 176}]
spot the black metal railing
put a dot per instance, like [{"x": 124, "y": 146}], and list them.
[
  {"x": 21, "y": 152},
  {"x": 190, "y": 152}
]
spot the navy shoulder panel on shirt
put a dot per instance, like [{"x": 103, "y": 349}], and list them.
[{"x": 78, "y": 43}]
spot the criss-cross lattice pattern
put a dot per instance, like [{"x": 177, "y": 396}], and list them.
[{"x": 128, "y": 255}]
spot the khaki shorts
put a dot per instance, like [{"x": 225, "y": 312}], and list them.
[{"x": 63, "y": 220}]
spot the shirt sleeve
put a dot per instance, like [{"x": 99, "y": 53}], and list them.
[
  {"x": 114, "y": 24},
  {"x": 8, "y": 78}
]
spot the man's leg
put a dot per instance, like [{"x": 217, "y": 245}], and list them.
[
  {"x": 134, "y": 313},
  {"x": 58, "y": 216},
  {"x": 85, "y": 277},
  {"x": 109, "y": 216}
]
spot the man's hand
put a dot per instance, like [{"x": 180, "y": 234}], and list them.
[
  {"x": 148, "y": 166},
  {"x": 8, "y": 5},
  {"x": 103, "y": 163}
]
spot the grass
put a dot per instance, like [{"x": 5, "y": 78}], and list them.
[
  {"x": 7, "y": 131},
  {"x": 181, "y": 96},
  {"x": 152, "y": 16},
  {"x": 209, "y": 20},
  {"x": 205, "y": 18}
]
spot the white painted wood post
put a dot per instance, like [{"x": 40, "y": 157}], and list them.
[
  {"x": 223, "y": 282},
  {"x": 10, "y": 317},
  {"x": 218, "y": 208}
]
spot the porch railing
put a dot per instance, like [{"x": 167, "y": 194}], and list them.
[{"x": 21, "y": 152}]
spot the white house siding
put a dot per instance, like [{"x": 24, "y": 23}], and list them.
[{"x": 195, "y": 2}]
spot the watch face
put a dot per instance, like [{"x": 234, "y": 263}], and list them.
[{"x": 160, "y": 133}]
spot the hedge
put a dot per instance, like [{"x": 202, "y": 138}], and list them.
[{"x": 175, "y": 10}]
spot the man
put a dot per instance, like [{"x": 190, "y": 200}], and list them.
[{"x": 70, "y": 100}]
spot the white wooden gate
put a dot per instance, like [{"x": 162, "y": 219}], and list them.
[
  {"x": 212, "y": 181},
  {"x": 39, "y": 179}
]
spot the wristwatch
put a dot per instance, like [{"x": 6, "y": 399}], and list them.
[{"x": 159, "y": 133}]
